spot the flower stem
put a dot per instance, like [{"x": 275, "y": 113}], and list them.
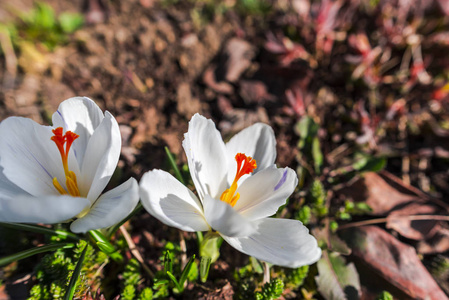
[{"x": 209, "y": 252}]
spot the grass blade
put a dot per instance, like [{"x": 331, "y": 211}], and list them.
[
  {"x": 40, "y": 229},
  {"x": 172, "y": 277},
  {"x": 76, "y": 274},
  {"x": 171, "y": 159},
  {"x": 186, "y": 271},
  {"x": 33, "y": 251}
]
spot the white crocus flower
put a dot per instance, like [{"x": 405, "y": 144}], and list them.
[
  {"x": 55, "y": 174},
  {"x": 239, "y": 187}
]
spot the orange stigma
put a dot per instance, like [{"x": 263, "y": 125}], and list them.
[
  {"x": 245, "y": 165},
  {"x": 67, "y": 140}
]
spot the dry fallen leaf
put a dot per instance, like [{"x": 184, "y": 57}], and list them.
[
  {"x": 397, "y": 262},
  {"x": 337, "y": 280},
  {"x": 415, "y": 230},
  {"x": 239, "y": 54},
  {"x": 378, "y": 194},
  {"x": 388, "y": 195},
  {"x": 255, "y": 91},
  {"x": 187, "y": 104},
  {"x": 219, "y": 87}
]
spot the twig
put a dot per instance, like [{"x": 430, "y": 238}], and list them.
[
  {"x": 10, "y": 58},
  {"x": 385, "y": 220},
  {"x": 342, "y": 149},
  {"x": 135, "y": 252},
  {"x": 182, "y": 245},
  {"x": 266, "y": 273},
  {"x": 423, "y": 179},
  {"x": 406, "y": 169}
]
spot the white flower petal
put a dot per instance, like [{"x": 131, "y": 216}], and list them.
[
  {"x": 8, "y": 189},
  {"x": 47, "y": 209},
  {"x": 82, "y": 116},
  {"x": 263, "y": 193},
  {"x": 224, "y": 219},
  {"x": 169, "y": 201},
  {"x": 281, "y": 242},
  {"x": 257, "y": 141},
  {"x": 112, "y": 207},
  {"x": 206, "y": 156},
  {"x": 30, "y": 159},
  {"x": 101, "y": 158}
]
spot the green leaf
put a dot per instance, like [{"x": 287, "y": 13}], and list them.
[
  {"x": 30, "y": 252},
  {"x": 173, "y": 164},
  {"x": 271, "y": 290},
  {"x": 296, "y": 277},
  {"x": 317, "y": 155},
  {"x": 210, "y": 246},
  {"x": 257, "y": 266},
  {"x": 337, "y": 280},
  {"x": 186, "y": 271},
  {"x": 75, "y": 275},
  {"x": 304, "y": 214},
  {"x": 204, "y": 268},
  {"x": 370, "y": 164},
  {"x": 168, "y": 263},
  {"x": 70, "y": 22},
  {"x": 363, "y": 207},
  {"x": 173, "y": 278},
  {"x": 333, "y": 226},
  {"x": 146, "y": 294},
  {"x": 385, "y": 296},
  {"x": 44, "y": 16},
  {"x": 307, "y": 127},
  {"x": 41, "y": 229},
  {"x": 129, "y": 293},
  {"x": 106, "y": 248},
  {"x": 344, "y": 216}
]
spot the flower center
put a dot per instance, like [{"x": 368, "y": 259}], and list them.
[
  {"x": 245, "y": 165},
  {"x": 70, "y": 177}
]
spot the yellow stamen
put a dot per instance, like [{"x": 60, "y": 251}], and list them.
[
  {"x": 73, "y": 177},
  {"x": 71, "y": 187},
  {"x": 245, "y": 165},
  {"x": 58, "y": 186}
]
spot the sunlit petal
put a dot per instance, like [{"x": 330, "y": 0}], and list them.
[
  {"x": 28, "y": 156},
  {"x": 48, "y": 209},
  {"x": 257, "y": 141},
  {"x": 168, "y": 200},
  {"x": 281, "y": 242},
  {"x": 224, "y": 219},
  {"x": 100, "y": 161},
  {"x": 112, "y": 207},
  {"x": 80, "y": 115},
  {"x": 206, "y": 156},
  {"x": 263, "y": 193}
]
